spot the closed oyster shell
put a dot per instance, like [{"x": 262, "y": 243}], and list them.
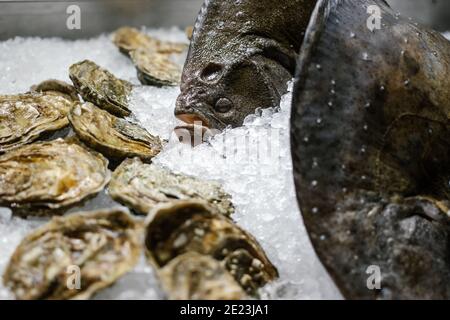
[
  {"x": 102, "y": 88},
  {"x": 26, "y": 117},
  {"x": 101, "y": 245},
  {"x": 56, "y": 86},
  {"x": 51, "y": 175},
  {"x": 142, "y": 186},
  {"x": 155, "y": 69},
  {"x": 112, "y": 136},
  {"x": 130, "y": 39},
  {"x": 194, "y": 226},
  {"x": 193, "y": 276}
]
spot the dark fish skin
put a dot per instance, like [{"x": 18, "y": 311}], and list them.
[
  {"x": 241, "y": 56},
  {"x": 370, "y": 141}
]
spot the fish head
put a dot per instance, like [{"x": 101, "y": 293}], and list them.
[{"x": 221, "y": 93}]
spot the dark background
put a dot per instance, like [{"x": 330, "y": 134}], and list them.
[{"x": 48, "y": 18}]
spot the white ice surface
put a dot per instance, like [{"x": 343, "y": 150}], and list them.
[{"x": 253, "y": 163}]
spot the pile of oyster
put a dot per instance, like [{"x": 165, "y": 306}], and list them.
[{"x": 58, "y": 145}]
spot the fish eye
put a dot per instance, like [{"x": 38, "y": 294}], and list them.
[
  {"x": 211, "y": 71},
  {"x": 223, "y": 105}
]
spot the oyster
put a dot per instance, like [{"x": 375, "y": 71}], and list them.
[
  {"x": 194, "y": 226},
  {"x": 50, "y": 175},
  {"x": 111, "y": 135},
  {"x": 130, "y": 39},
  {"x": 193, "y": 276},
  {"x": 101, "y": 87},
  {"x": 142, "y": 186},
  {"x": 25, "y": 117},
  {"x": 100, "y": 245},
  {"x": 57, "y": 86},
  {"x": 156, "y": 69}
]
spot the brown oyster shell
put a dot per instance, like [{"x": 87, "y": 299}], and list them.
[
  {"x": 112, "y": 136},
  {"x": 193, "y": 276},
  {"x": 102, "y": 88},
  {"x": 194, "y": 226},
  {"x": 155, "y": 69},
  {"x": 130, "y": 39},
  {"x": 103, "y": 244},
  {"x": 26, "y": 117},
  {"x": 56, "y": 86},
  {"x": 51, "y": 175},
  {"x": 143, "y": 186}
]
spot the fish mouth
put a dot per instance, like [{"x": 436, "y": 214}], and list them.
[
  {"x": 198, "y": 128},
  {"x": 194, "y": 116}
]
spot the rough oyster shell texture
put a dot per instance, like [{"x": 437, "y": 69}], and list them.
[
  {"x": 101, "y": 245},
  {"x": 130, "y": 39},
  {"x": 194, "y": 226},
  {"x": 150, "y": 56},
  {"x": 156, "y": 69},
  {"x": 56, "y": 86},
  {"x": 25, "y": 117},
  {"x": 102, "y": 88},
  {"x": 51, "y": 175},
  {"x": 112, "y": 136},
  {"x": 193, "y": 276},
  {"x": 142, "y": 186}
]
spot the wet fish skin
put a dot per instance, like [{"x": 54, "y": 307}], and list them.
[
  {"x": 369, "y": 137},
  {"x": 241, "y": 56}
]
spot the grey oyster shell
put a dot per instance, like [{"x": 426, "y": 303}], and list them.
[
  {"x": 51, "y": 175},
  {"x": 143, "y": 186},
  {"x": 101, "y": 245},
  {"x": 112, "y": 136},
  {"x": 26, "y": 117},
  {"x": 192, "y": 276},
  {"x": 194, "y": 226},
  {"x": 101, "y": 87}
]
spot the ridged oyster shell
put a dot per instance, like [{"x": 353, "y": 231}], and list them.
[
  {"x": 194, "y": 226},
  {"x": 130, "y": 39},
  {"x": 142, "y": 186},
  {"x": 193, "y": 276},
  {"x": 51, "y": 175},
  {"x": 103, "y": 245},
  {"x": 56, "y": 86},
  {"x": 26, "y": 117},
  {"x": 155, "y": 69},
  {"x": 112, "y": 136},
  {"x": 99, "y": 86}
]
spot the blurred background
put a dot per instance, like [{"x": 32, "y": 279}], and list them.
[{"x": 48, "y": 18}]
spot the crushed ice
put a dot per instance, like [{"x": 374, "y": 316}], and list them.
[{"x": 253, "y": 162}]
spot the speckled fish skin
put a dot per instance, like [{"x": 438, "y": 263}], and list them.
[
  {"x": 192, "y": 276},
  {"x": 143, "y": 186},
  {"x": 194, "y": 226},
  {"x": 114, "y": 137},
  {"x": 97, "y": 85},
  {"x": 50, "y": 175},
  {"x": 241, "y": 57},
  {"x": 370, "y": 138},
  {"x": 103, "y": 244},
  {"x": 26, "y": 117}
]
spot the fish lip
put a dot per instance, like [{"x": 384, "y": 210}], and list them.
[{"x": 208, "y": 121}]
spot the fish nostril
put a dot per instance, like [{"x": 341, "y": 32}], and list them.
[{"x": 211, "y": 72}]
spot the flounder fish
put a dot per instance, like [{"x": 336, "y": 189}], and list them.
[{"x": 370, "y": 146}]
